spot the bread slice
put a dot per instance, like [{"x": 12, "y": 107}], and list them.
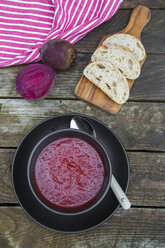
[
  {"x": 120, "y": 57},
  {"x": 109, "y": 79},
  {"x": 129, "y": 41}
]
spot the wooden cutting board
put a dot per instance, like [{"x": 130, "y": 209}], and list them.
[{"x": 88, "y": 91}]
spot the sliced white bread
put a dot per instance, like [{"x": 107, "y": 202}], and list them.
[
  {"x": 129, "y": 41},
  {"x": 121, "y": 57},
  {"x": 109, "y": 79}
]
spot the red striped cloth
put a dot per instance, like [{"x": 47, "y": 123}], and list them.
[{"x": 26, "y": 25}]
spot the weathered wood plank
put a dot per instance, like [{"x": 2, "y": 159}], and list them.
[
  {"x": 6, "y": 191},
  {"x": 150, "y": 85},
  {"x": 144, "y": 88},
  {"x": 147, "y": 173},
  {"x": 126, "y": 229},
  {"x": 156, "y": 4},
  {"x": 146, "y": 178},
  {"x": 153, "y": 36},
  {"x": 139, "y": 125}
]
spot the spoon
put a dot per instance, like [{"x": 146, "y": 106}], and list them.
[{"x": 82, "y": 124}]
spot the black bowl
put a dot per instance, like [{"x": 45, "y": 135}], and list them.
[{"x": 76, "y": 134}]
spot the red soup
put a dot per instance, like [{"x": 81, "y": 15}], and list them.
[{"x": 69, "y": 173}]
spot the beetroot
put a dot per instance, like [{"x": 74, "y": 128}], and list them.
[
  {"x": 58, "y": 53},
  {"x": 34, "y": 81}
]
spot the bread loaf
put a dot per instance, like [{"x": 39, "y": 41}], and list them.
[
  {"x": 120, "y": 57},
  {"x": 128, "y": 41},
  {"x": 109, "y": 79}
]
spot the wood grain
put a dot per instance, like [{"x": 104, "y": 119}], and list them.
[
  {"x": 144, "y": 88},
  {"x": 158, "y": 4},
  {"x": 89, "y": 92},
  {"x": 139, "y": 125},
  {"x": 147, "y": 173},
  {"x": 152, "y": 37},
  {"x": 6, "y": 191},
  {"x": 146, "y": 178},
  {"x": 126, "y": 229}
]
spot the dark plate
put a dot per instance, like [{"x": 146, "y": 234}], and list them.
[{"x": 47, "y": 217}]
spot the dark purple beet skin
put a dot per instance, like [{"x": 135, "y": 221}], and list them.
[
  {"x": 34, "y": 81},
  {"x": 57, "y": 53}
]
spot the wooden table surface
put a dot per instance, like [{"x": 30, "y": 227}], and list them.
[{"x": 139, "y": 124}]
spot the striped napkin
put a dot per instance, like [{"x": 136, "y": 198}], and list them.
[{"x": 26, "y": 25}]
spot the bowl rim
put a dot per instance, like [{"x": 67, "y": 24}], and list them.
[{"x": 108, "y": 184}]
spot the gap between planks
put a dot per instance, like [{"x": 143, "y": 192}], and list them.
[
  {"x": 77, "y": 99},
  {"x": 127, "y": 150},
  {"x": 132, "y": 206}
]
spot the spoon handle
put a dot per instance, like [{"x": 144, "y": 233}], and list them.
[{"x": 120, "y": 195}]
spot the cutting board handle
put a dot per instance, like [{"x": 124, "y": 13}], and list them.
[{"x": 138, "y": 20}]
